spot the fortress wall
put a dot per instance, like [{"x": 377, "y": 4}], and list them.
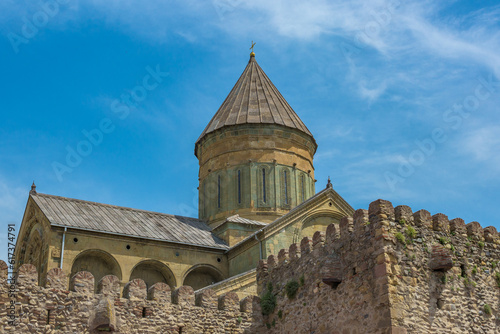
[
  {"x": 53, "y": 309},
  {"x": 387, "y": 270}
]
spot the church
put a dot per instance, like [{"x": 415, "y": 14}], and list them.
[{"x": 257, "y": 195}]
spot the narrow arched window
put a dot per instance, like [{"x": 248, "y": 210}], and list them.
[
  {"x": 239, "y": 187},
  {"x": 264, "y": 185},
  {"x": 302, "y": 188},
  {"x": 218, "y": 191},
  {"x": 286, "y": 187}
]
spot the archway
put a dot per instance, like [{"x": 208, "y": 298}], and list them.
[
  {"x": 202, "y": 275},
  {"x": 152, "y": 271},
  {"x": 98, "y": 262},
  {"x": 34, "y": 251},
  {"x": 317, "y": 223}
]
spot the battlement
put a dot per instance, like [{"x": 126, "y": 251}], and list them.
[
  {"x": 83, "y": 311},
  {"x": 422, "y": 272}
]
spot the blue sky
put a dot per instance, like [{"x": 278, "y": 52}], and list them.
[{"x": 402, "y": 97}]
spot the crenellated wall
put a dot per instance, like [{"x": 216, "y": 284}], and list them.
[
  {"x": 53, "y": 309},
  {"x": 387, "y": 270}
]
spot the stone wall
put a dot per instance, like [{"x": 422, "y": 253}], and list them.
[
  {"x": 53, "y": 309},
  {"x": 385, "y": 270}
]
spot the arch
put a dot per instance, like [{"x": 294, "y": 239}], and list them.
[
  {"x": 153, "y": 271},
  {"x": 97, "y": 262},
  {"x": 317, "y": 222},
  {"x": 34, "y": 253},
  {"x": 202, "y": 275}
]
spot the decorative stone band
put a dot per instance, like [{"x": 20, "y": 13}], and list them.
[{"x": 108, "y": 289}]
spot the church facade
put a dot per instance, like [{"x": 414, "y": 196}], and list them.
[{"x": 257, "y": 195}]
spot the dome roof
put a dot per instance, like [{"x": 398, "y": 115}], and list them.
[{"x": 254, "y": 100}]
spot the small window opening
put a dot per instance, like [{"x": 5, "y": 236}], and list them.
[
  {"x": 128, "y": 246},
  {"x": 75, "y": 239},
  {"x": 218, "y": 191},
  {"x": 48, "y": 317},
  {"x": 144, "y": 312},
  {"x": 239, "y": 187},
  {"x": 219, "y": 259},
  {"x": 302, "y": 188},
  {"x": 180, "y": 330},
  {"x": 354, "y": 271},
  {"x": 286, "y": 188},
  {"x": 264, "y": 185}
]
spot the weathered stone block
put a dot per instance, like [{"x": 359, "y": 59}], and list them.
[
  {"x": 271, "y": 262},
  {"x": 490, "y": 234},
  {"x": 229, "y": 302},
  {"x": 360, "y": 220},
  {"x": 318, "y": 239},
  {"x": 474, "y": 230},
  {"x": 183, "y": 296},
  {"x": 207, "y": 298},
  {"x": 247, "y": 304},
  {"x": 103, "y": 318},
  {"x": 332, "y": 234},
  {"x": 404, "y": 212},
  {"x": 56, "y": 279},
  {"x": 457, "y": 225},
  {"x": 109, "y": 286},
  {"x": 332, "y": 272},
  {"x": 135, "y": 289},
  {"x": 380, "y": 209},
  {"x": 4, "y": 271},
  {"x": 283, "y": 255},
  {"x": 440, "y": 258},
  {"x": 422, "y": 218},
  {"x": 440, "y": 222},
  {"x": 262, "y": 267},
  {"x": 160, "y": 291},
  {"x": 27, "y": 275},
  {"x": 83, "y": 282},
  {"x": 294, "y": 251},
  {"x": 305, "y": 246},
  {"x": 346, "y": 227}
]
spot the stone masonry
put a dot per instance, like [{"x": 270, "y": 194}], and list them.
[
  {"x": 53, "y": 309},
  {"x": 386, "y": 270}
]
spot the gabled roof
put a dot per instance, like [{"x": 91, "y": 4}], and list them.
[
  {"x": 328, "y": 191},
  {"x": 254, "y": 99},
  {"x": 105, "y": 218}
]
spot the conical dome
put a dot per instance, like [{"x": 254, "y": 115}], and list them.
[
  {"x": 255, "y": 155},
  {"x": 254, "y": 99}
]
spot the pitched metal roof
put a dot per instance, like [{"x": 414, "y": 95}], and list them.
[
  {"x": 254, "y": 99},
  {"x": 107, "y": 218}
]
